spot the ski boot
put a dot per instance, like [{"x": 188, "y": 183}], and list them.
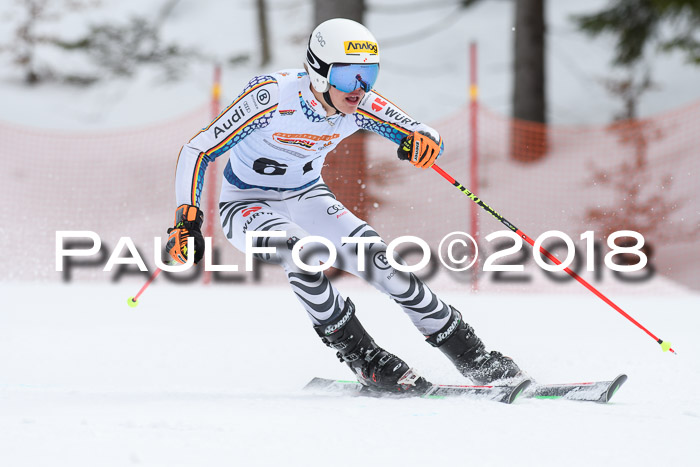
[
  {"x": 461, "y": 345},
  {"x": 378, "y": 370}
]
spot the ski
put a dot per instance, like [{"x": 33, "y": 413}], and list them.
[
  {"x": 596, "y": 391},
  {"x": 506, "y": 394}
]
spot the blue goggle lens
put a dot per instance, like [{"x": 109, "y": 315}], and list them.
[{"x": 348, "y": 77}]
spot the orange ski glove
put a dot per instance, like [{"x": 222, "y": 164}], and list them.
[
  {"x": 188, "y": 223},
  {"x": 420, "y": 149}
]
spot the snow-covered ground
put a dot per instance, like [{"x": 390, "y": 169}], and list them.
[{"x": 213, "y": 377}]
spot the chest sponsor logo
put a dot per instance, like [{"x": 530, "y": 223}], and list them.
[
  {"x": 287, "y": 112},
  {"x": 304, "y": 141},
  {"x": 357, "y": 47}
]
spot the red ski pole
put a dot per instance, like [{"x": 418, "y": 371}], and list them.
[
  {"x": 134, "y": 301},
  {"x": 665, "y": 346}
]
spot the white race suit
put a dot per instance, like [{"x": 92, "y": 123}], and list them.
[{"x": 278, "y": 136}]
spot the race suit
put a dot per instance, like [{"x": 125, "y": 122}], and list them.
[{"x": 278, "y": 136}]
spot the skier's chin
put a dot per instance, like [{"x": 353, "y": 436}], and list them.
[
  {"x": 350, "y": 103},
  {"x": 350, "y": 108}
]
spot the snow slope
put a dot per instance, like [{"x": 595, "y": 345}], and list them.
[{"x": 213, "y": 378}]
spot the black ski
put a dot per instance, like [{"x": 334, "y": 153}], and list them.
[
  {"x": 506, "y": 394},
  {"x": 596, "y": 391}
]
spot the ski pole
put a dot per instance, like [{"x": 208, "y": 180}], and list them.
[
  {"x": 665, "y": 346},
  {"x": 134, "y": 301}
]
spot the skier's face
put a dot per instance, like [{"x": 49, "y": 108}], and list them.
[{"x": 346, "y": 102}]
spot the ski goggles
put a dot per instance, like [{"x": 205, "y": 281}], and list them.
[{"x": 348, "y": 77}]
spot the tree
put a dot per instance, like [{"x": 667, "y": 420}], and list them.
[
  {"x": 529, "y": 142},
  {"x": 529, "y": 100},
  {"x": 265, "y": 55},
  {"x": 327, "y": 9},
  {"x": 637, "y": 24},
  {"x": 112, "y": 48},
  {"x": 26, "y": 38},
  {"x": 120, "y": 49}
]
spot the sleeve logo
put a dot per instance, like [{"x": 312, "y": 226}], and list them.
[{"x": 263, "y": 96}]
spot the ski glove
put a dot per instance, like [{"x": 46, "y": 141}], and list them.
[
  {"x": 420, "y": 149},
  {"x": 188, "y": 223}
]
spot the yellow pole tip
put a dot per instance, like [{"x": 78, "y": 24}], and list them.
[
  {"x": 132, "y": 302},
  {"x": 665, "y": 346}
]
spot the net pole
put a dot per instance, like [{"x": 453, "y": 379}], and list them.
[
  {"x": 210, "y": 208},
  {"x": 474, "y": 152}
]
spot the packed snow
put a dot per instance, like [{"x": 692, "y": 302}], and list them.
[{"x": 213, "y": 376}]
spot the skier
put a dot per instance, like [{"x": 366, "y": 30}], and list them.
[{"x": 279, "y": 131}]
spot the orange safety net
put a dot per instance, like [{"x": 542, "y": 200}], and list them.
[
  {"x": 641, "y": 175},
  {"x": 635, "y": 175}
]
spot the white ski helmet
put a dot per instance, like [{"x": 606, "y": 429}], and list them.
[{"x": 342, "y": 41}]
